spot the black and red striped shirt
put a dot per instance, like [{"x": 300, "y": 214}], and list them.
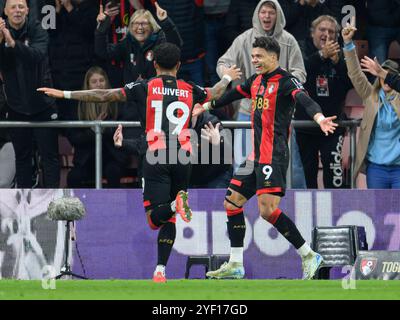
[
  {"x": 273, "y": 98},
  {"x": 165, "y": 109}
]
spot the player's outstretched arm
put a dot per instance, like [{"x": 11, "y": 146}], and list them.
[
  {"x": 219, "y": 88},
  {"x": 314, "y": 111},
  {"x": 326, "y": 124},
  {"x": 96, "y": 95}
]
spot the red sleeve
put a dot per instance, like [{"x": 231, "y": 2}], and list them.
[
  {"x": 242, "y": 92},
  {"x": 208, "y": 97},
  {"x": 296, "y": 91}
]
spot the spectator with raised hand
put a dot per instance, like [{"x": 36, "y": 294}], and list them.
[
  {"x": 373, "y": 67},
  {"x": 378, "y": 148},
  {"x": 327, "y": 83},
  {"x": 24, "y": 66},
  {"x": 119, "y": 12},
  {"x": 135, "y": 51},
  {"x": 83, "y": 140}
]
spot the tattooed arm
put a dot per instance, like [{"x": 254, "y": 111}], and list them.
[
  {"x": 219, "y": 88},
  {"x": 96, "y": 95}
]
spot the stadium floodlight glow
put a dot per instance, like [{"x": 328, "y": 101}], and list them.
[{"x": 338, "y": 246}]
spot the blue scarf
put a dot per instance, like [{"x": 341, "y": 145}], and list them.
[{"x": 386, "y": 114}]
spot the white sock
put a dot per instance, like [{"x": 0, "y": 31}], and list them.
[
  {"x": 173, "y": 206},
  {"x": 304, "y": 250},
  {"x": 236, "y": 255},
  {"x": 160, "y": 268}
]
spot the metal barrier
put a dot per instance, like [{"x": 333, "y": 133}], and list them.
[{"x": 98, "y": 125}]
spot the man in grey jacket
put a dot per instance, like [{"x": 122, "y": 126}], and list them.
[{"x": 268, "y": 20}]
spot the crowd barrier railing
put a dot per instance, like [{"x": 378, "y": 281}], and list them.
[{"x": 99, "y": 125}]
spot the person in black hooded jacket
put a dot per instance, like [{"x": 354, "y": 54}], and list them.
[
  {"x": 390, "y": 78},
  {"x": 120, "y": 14},
  {"x": 24, "y": 67}
]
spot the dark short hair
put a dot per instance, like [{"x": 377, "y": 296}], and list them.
[
  {"x": 167, "y": 55},
  {"x": 269, "y": 3},
  {"x": 269, "y": 44}
]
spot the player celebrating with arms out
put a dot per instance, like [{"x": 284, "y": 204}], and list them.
[
  {"x": 165, "y": 113},
  {"x": 274, "y": 93}
]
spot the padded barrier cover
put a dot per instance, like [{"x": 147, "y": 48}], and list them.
[{"x": 379, "y": 265}]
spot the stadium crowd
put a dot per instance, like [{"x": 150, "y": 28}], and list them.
[{"x": 109, "y": 43}]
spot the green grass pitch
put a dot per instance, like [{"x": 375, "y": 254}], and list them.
[{"x": 200, "y": 290}]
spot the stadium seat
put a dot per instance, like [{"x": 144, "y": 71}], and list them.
[
  {"x": 353, "y": 105},
  {"x": 362, "y": 48},
  {"x": 130, "y": 178},
  {"x": 394, "y": 51},
  {"x": 338, "y": 246}
]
